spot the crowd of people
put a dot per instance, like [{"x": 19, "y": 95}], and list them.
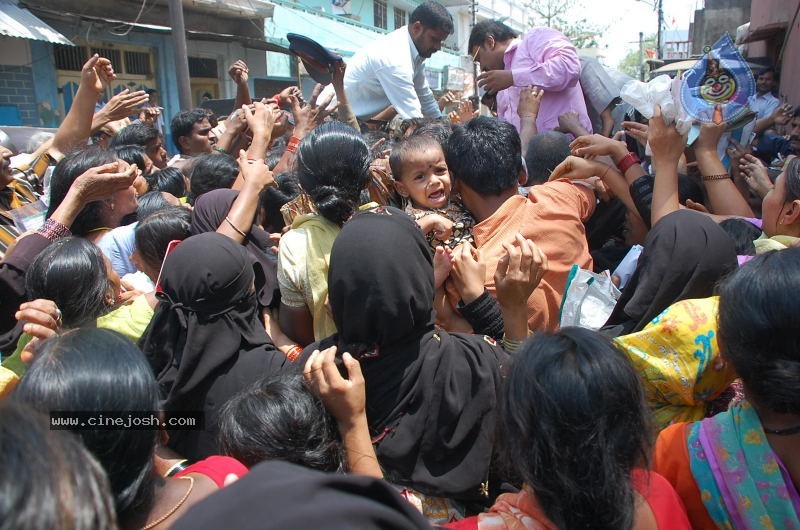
[{"x": 359, "y": 296}]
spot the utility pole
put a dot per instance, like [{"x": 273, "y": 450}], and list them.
[
  {"x": 473, "y": 7},
  {"x": 181, "y": 55},
  {"x": 641, "y": 56},
  {"x": 659, "y": 37}
]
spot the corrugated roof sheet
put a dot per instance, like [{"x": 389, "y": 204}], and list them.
[{"x": 18, "y": 22}]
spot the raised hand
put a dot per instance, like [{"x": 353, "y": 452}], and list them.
[
  {"x": 598, "y": 145},
  {"x": 519, "y": 272},
  {"x": 283, "y": 95},
  {"x": 468, "y": 273},
  {"x": 239, "y": 72},
  {"x": 101, "y": 182},
  {"x": 575, "y": 168},
  {"x": 124, "y": 104},
  {"x": 637, "y": 131},
  {"x": 666, "y": 142},
  {"x": 260, "y": 119},
  {"x": 464, "y": 113},
  {"x": 309, "y": 116},
  {"x": 755, "y": 175},
  {"x": 254, "y": 171},
  {"x": 530, "y": 100},
  {"x": 345, "y": 399},
  {"x": 709, "y": 137},
  {"x": 97, "y": 74},
  {"x": 42, "y": 320},
  {"x": 447, "y": 99},
  {"x": 494, "y": 81}
]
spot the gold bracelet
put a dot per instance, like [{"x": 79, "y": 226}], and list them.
[
  {"x": 228, "y": 220},
  {"x": 721, "y": 176}
]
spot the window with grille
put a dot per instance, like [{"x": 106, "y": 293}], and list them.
[
  {"x": 379, "y": 13},
  {"x": 202, "y": 67},
  {"x": 137, "y": 63},
  {"x": 69, "y": 57},
  {"x": 112, "y": 55},
  {"x": 399, "y": 18}
]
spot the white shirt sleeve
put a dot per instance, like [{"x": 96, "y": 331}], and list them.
[
  {"x": 430, "y": 107},
  {"x": 399, "y": 87}
]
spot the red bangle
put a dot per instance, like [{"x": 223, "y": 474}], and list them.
[
  {"x": 294, "y": 352},
  {"x": 627, "y": 162},
  {"x": 291, "y": 146}
]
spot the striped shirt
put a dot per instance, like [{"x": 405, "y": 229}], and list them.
[{"x": 17, "y": 193}]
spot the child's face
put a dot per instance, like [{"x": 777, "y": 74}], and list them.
[{"x": 425, "y": 178}]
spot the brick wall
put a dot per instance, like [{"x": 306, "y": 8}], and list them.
[{"x": 16, "y": 88}]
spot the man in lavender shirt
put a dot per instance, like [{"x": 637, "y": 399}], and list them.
[{"x": 544, "y": 58}]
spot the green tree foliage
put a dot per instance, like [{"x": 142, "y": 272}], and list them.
[
  {"x": 564, "y": 15},
  {"x": 630, "y": 63}
]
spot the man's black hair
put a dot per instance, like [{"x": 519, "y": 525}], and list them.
[
  {"x": 489, "y": 28},
  {"x": 432, "y": 15},
  {"x": 183, "y": 123},
  {"x": 134, "y": 134},
  {"x": 766, "y": 70},
  {"x": 485, "y": 155},
  {"x": 545, "y": 151}
]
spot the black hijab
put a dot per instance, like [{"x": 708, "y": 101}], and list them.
[
  {"x": 430, "y": 395},
  {"x": 209, "y": 213},
  {"x": 206, "y": 326},
  {"x": 285, "y": 496},
  {"x": 685, "y": 255}
]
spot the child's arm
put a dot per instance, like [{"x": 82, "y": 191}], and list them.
[{"x": 441, "y": 226}]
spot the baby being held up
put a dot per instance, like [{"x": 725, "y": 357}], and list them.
[{"x": 421, "y": 177}]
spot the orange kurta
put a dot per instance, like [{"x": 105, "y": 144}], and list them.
[
  {"x": 671, "y": 461},
  {"x": 552, "y": 216}
]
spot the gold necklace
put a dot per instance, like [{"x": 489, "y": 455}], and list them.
[{"x": 174, "y": 508}]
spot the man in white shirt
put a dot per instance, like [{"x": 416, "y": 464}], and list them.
[
  {"x": 764, "y": 103},
  {"x": 768, "y": 108},
  {"x": 391, "y": 70}
]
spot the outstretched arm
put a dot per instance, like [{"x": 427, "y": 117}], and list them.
[
  {"x": 96, "y": 74},
  {"x": 723, "y": 195}
]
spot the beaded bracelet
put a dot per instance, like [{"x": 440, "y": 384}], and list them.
[{"x": 721, "y": 176}]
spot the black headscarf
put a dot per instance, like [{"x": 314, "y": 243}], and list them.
[
  {"x": 206, "y": 327},
  {"x": 285, "y": 496},
  {"x": 430, "y": 395},
  {"x": 684, "y": 257},
  {"x": 208, "y": 215}
]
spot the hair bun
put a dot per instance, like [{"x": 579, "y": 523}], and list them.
[{"x": 333, "y": 203}]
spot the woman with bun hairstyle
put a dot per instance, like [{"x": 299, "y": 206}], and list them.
[
  {"x": 333, "y": 168},
  {"x": 741, "y": 468}
]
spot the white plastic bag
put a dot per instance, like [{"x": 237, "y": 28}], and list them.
[
  {"x": 663, "y": 91},
  {"x": 589, "y": 299},
  {"x": 627, "y": 266}
]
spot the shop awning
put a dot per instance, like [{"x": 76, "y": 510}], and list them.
[
  {"x": 264, "y": 43},
  {"x": 18, "y": 22}
]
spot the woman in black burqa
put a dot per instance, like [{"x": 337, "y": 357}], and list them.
[
  {"x": 209, "y": 213},
  {"x": 206, "y": 340},
  {"x": 431, "y": 395},
  {"x": 685, "y": 255}
]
